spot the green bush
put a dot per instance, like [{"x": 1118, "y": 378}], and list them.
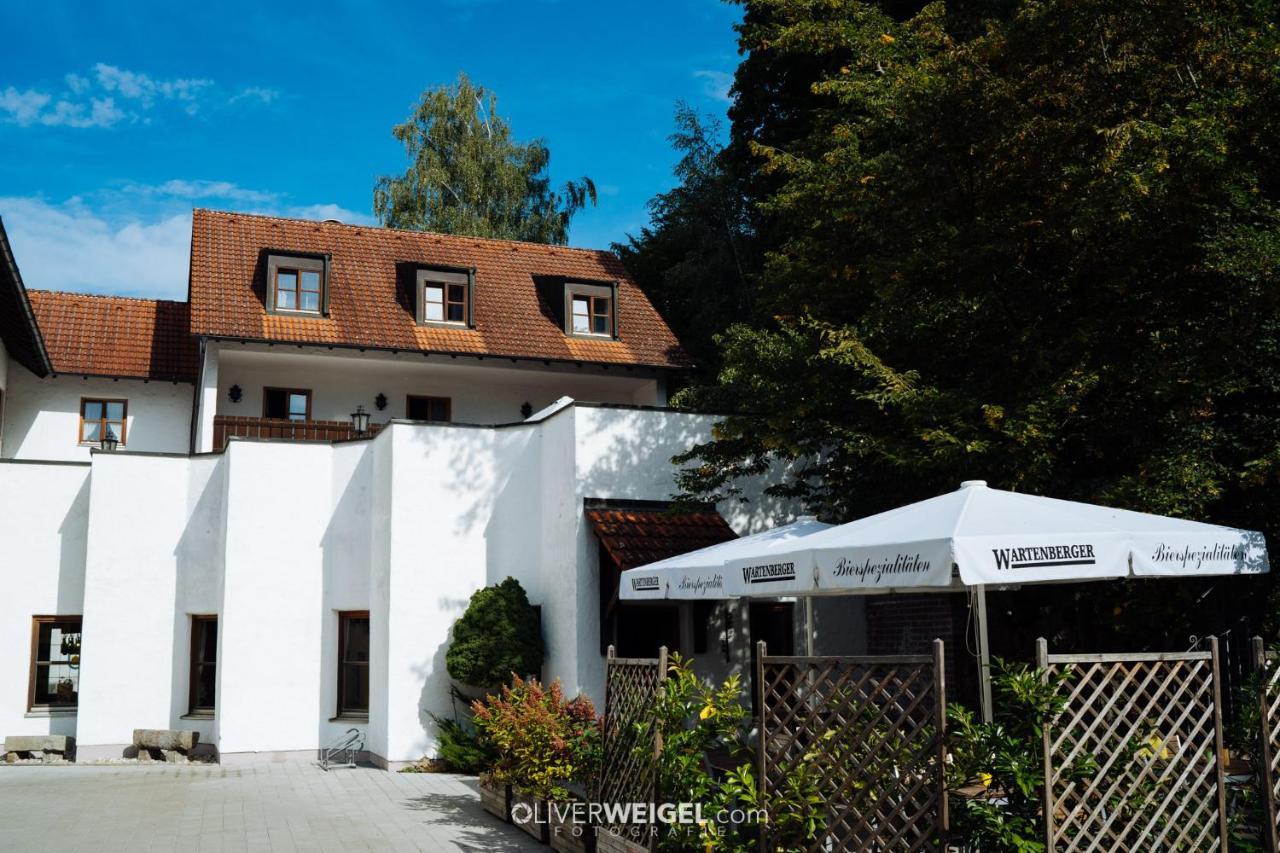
[
  {"x": 496, "y": 637},
  {"x": 460, "y": 748}
]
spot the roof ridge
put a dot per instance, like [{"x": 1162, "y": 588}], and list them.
[
  {"x": 153, "y": 300},
  {"x": 382, "y": 228}
]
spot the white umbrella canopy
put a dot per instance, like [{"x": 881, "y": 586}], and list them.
[
  {"x": 993, "y": 537},
  {"x": 701, "y": 574}
]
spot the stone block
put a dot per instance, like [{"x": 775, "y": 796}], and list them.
[
  {"x": 11, "y": 757},
  {"x": 35, "y": 754},
  {"x": 40, "y": 743},
  {"x": 172, "y": 756},
  {"x": 166, "y": 739}
]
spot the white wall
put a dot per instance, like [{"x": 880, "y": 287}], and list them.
[
  {"x": 44, "y": 512},
  {"x": 153, "y": 561},
  {"x": 42, "y": 416},
  {"x": 487, "y": 392}
]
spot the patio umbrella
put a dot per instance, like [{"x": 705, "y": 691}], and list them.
[
  {"x": 979, "y": 536},
  {"x": 701, "y": 574}
]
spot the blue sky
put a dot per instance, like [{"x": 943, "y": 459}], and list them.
[{"x": 117, "y": 119}]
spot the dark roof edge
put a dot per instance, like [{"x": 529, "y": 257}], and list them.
[
  {"x": 607, "y": 365},
  {"x": 43, "y": 365}
]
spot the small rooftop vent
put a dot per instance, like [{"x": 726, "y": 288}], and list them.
[{"x": 331, "y": 221}]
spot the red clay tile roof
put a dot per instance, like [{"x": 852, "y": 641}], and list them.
[
  {"x": 369, "y": 306},
  {"x": 636, "y": 538},
  {"x": 116, "y": 336}
]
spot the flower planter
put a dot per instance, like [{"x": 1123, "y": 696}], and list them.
[
  {"x": 496, "y": 798},
  {"x": 567, "y": 835},
  {"x": 607, "y": 842},
  {"x": 529, "y": 814}
]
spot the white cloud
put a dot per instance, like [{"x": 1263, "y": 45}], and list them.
[
  {"x": 111, "y": 95},
  {"x": 135, "y": 241},
  {"x": 23, "y": 107},
  {"x": 715, "y": 84},
  {"x": 255, "y": 93}
]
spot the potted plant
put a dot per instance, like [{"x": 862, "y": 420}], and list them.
[
  {"x": 536, "y": 736},
  {"x": 569, "y": 829}
]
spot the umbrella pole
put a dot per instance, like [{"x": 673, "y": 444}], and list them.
[
  {"x": 808, "y": 625},
  {"x": 984, "y": 651}
]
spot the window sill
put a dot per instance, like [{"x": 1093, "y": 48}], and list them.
[
  {"x": 40, "y": 713},
  {"x": 298, "y": 312},
  {"x": 350, "y": 718},
  {"x": 445, "y": 324},
  {"x": 592, "y": 336},
  {"x": 199, "y": 715}
]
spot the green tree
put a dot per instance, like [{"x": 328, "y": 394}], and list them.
[
  {"x": 468, "y": 176},
  {"x": 1046, "y": 256},
  {"x": 696, "y": 258},
  {"x": 496, "y": 637}
]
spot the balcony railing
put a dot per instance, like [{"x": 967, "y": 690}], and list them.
[{"x": 228, "y": 426}]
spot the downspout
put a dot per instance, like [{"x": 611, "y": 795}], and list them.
[{"x": 195, "y": 396}]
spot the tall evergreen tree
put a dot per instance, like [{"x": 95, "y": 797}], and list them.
[{"x": 468, "y": 176}]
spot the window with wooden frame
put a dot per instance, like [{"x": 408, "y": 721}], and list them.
[
  {"x": 291, "y": 404},
  {"x": 445, "y": 296},
  {"x": 100, "y": 417},
  {"x": 298, "y": 284},
  {"x": 55, "y": 663},
  {"x": 353, "y": 663},
  {"x": 204, "y": 665},
  {"x": 590, "y": 310},
  {"x": 429, "y": 408}
]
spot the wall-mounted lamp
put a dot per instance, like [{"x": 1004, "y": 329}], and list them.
[
  {"x": 360, "y": 420},
  {"x": 109, "y": 442},
  {"x": 380, "y": 401},
  {"x": 236, "y": 393},
  {"x": 526, "y": 410}
]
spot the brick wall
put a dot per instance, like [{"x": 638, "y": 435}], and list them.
[{"x": 907, "y": 624}]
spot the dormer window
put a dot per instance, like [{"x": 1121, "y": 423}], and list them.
[
  {"x": 591, "y": 310},
  {"x": 297, "y": 284},
  {"x": 445, "y": 297}
]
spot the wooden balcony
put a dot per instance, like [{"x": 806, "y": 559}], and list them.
[{"x": 228, "y": 426}]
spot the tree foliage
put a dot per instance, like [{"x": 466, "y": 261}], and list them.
[
  {"x": 467, "y": 175},
  {"x": 1042, "y": 250},
  {"x": 498, "y": 636}
]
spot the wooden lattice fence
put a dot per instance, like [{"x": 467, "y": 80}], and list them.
[
  {"x": 1267, "y": 766},
  {"x": 1133, "y": 762},
  {"x": 629, "y": 774},
  {"x": 869, "y": 731}
]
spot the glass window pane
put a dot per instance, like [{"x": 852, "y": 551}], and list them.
[
  {"x": 435, "y": 293},
  {"x": 115, "y": 411},
  {"x": 286, "y": 280},
  {"x": 206, "y": 682},
  {"x": 435, "y": 311},
  {"x": 601, "y": 325},
  {"x": 286, "y": 299},
  {"x": 310, "y": 301},
  {"x": 456, "y": 313},
  {"x": 457, "y": 293},
  {"x": 355, "y": 687},
  {"x": 311, "y": 280},
  {"x": 357, "y": 640},
  {"x": 92, "y": 431},
  {"x": 439, "y": 410},
  {"x": 92, "y": 410}
]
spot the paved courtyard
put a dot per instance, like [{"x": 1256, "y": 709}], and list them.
[{"x": 264, "y": 807}]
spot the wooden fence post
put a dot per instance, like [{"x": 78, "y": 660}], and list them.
[
  {"x": 1219, "y": 749},
  {"x": 762, "y": 741},
  {"x": 1042, "y": 664},
  {"x": 1264, "y": 773}
]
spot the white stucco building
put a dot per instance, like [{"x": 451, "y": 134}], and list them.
[{"x": 250, "y": 564}]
